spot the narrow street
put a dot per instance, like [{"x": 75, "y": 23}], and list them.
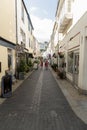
[{"x": 39, "y": 104}]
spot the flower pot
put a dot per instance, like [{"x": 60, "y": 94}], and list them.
[{"x": 21, "y": 75}]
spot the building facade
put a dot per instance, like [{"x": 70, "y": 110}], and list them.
[
  {"x": 72, "y": 40},
  {"x": 16, "y": 34},
  {"x": 7, "y": 36}
]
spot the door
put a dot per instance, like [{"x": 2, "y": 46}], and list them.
[{"x": 76, "y": 69}]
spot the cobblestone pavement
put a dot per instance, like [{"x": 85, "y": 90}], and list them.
[{"x": 38, "y": 104}]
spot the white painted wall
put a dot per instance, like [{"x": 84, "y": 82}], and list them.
[
  {"x": 78, "y": 26},
  {"x": 20, "y": 24},
  {"x": 79, "y": 7},
  {"x": 24, "y": 26},
  {"x": 80, "y": 39}
]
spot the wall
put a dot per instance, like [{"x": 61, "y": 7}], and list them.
[
  {"x": 80, "y": 31},
  {"x": 22, "y": 25},
  {"x": 7, "y": 20},
  {"x": 3, "y": 60},
  {"x": 78, "y": 9}
]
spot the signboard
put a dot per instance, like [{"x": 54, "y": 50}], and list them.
[
  {"x": 6, "y": 86},
  {"x": 20, "y": 48}
]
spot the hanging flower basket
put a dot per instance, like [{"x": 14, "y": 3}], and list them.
[{"x": 61, "y": 55}]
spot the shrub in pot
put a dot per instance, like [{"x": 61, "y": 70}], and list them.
[{"x": 22, "y": 66}]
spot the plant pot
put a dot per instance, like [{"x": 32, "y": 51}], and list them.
[
  {"x": 21, "y": 75},
  {"x": 35, "y": 66},
  {"x": 61, "y": 75}
]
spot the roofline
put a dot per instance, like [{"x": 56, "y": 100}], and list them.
[{"x": 57, "y": 7}]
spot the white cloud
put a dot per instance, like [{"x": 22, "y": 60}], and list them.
[
  {"x": 42, "y": 28},
  {"x": 33, "y": 9},
  {"x": 45, "y": 12}
]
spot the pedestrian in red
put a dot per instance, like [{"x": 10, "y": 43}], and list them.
[{"x": 46, "y": 64}]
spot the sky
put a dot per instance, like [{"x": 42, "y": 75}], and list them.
[{"x": 42, "y": 14}]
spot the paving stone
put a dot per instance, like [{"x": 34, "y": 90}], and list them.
[{"x": 39, "y": 104}]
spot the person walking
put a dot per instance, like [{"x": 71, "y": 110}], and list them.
[
  {"x": 46, "y": 64},
  {"x": 41, "y": 63}
]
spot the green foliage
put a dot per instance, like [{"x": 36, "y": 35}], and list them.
[
  {"x": 30, "y": 64},
  {"x": 36, "y": 61},
  {"x": 27, "y": 68},
  {"x": 22, "y": 65}
]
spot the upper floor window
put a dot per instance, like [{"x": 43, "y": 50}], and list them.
[
  {"x": 28, "y": 26},
  {"x": 23, "y": 36},
  {"x": 69, "y": 5},
  {"x": 22, "y": 12}
]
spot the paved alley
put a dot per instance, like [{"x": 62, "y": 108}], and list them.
[{"x": 39, "y": 104}]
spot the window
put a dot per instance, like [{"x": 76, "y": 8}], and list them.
[
  {"x": 23, "y": 36},
  {"x": 22, "y": 12},
  {"x": 9, "y": 57},
  {"x": 31, "y": 44},
  {"x": 69, "y": 5},
  {"x": 9, "y": 61},
  {"x": 70, "y": 62},
  {"x": 28, "y": 25}
]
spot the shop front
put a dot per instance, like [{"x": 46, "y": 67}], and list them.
[{"x": 73, "y": 67}]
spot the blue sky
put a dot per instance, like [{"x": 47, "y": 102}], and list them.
[
  {"x": 42, "y": 13},
  {"x": 45, "y": 8}
]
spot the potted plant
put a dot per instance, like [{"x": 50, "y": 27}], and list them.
[
  {"x": 27, "y": 68},
  {"x": 22, "y": 66},
  {"x": 30, "y": 64},
  {"x": 35, "y": 66}
]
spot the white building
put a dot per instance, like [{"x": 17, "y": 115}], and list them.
[
  {"x": 24, "y": 26},
  {"x": 71, "y": 16}
]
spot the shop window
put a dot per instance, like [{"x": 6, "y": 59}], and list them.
[{"x": 70, "y": 62}]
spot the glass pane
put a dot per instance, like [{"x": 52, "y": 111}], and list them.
[{"x": 70, "y": 62}]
